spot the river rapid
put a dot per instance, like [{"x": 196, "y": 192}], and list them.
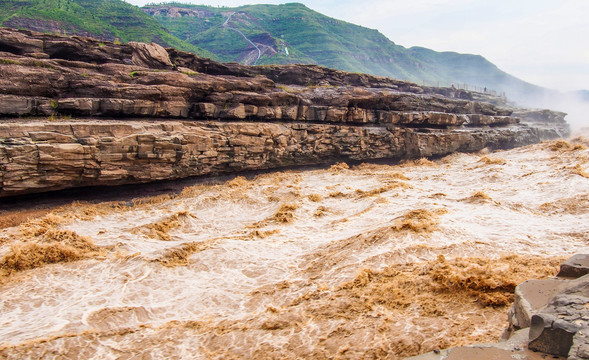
[{"x": 346, "y": 262}]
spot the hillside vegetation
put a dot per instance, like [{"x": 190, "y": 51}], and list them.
[
  {"x": 311, "y": 37},
  {"x": 259, "y": 35},
  {"x": 103, "y": 19}
]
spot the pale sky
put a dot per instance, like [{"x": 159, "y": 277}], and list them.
[{"x": 545, "y": 42}]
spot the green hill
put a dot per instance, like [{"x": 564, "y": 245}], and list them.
[
  {"x": 262, "y": 34},
  {"x": 475, "y": 70},
  {"x": 311, "y": 37},
  {"x": 104, "y": 19}
]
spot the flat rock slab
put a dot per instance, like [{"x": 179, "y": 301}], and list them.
[
  {"x": 531, "y": 296},
  {"x": 538, "y": 293},
  {"x": 514, "y": 348},
  {"x": 487, "y": 353}
]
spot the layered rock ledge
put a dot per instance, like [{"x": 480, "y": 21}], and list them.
[{"x": 76, "y": 112}]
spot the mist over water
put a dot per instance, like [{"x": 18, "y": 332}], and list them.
[
  {"x": 574, "y": 103},
  {"x": 577, "y": 109},
  {"x": 374, "y": 260}
]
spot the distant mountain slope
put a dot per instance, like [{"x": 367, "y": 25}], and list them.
[
  {"x": 308, "y": 36},
  {"x": 262, "y": 34},
  {"x": 582, "y": 94},
  {"x": 104, "y": 19},
  {"x": 293, "y": 33},
  {"x": 474, "y": 70}
]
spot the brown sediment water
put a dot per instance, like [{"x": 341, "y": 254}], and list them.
[
  {"x": 161, "y": 228},
  {"x": 492, "y": 161},
  {"x": 366, "y": 261}
]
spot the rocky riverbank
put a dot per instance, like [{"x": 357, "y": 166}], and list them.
[
  {"x": 549, "y": 316},
  {"x": 80, "y": 112},
  {"x": 369, "y": 260}
]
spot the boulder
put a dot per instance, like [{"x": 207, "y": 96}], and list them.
[
  {"x": 551, "y": 335},
  {"x": 575, "y": 267},
  {"x": 554, "y": 328},
  {"x": 556, "y": 311},
  {"x": 530, "y": 297},
  {"x": 150, "y": 55}
]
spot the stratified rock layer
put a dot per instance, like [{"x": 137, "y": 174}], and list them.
[
  {"x": 47, "y": 156},
  {"x": 98, "y": 113}
]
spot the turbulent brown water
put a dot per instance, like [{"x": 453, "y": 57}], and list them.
[{"x": 369, "y": 261}]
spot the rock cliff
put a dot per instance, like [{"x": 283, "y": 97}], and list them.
[{"x": 76, "y": 111}]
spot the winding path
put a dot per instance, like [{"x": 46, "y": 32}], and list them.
[{"x": 226, "y": 25}]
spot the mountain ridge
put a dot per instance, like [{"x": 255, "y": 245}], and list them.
[
  {"x": 264, "y": 35},
  {"x": 314, "y": 38}
]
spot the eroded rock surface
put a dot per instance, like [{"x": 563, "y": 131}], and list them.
[
  {"x": 97, "y": 113},
  {"x": 554, "y": 328},
  {"x": 48, "y": 156}
]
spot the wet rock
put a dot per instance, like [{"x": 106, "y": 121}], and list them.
[
  {"x": 530, "y": 297},
  {"x": 556, "y": 311},
  {"x": 575, "y": 267},
  {"x": 551, "y": 335}
]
